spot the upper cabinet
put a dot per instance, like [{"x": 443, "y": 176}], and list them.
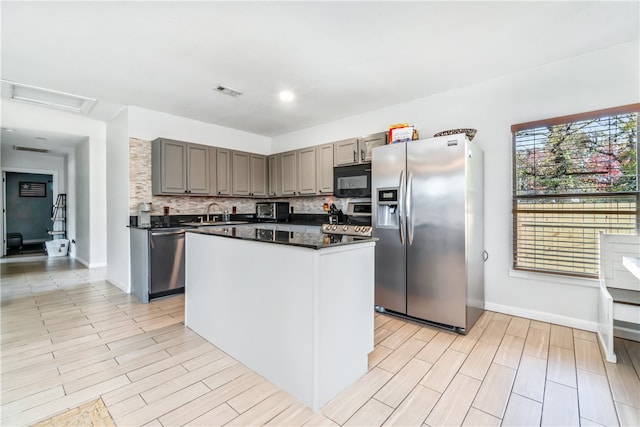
[
  {"x": 368, "y": 143},
  {"x": 324, "y": 169},
  {"x": 357, "y": 150},
  {"x": 273, "y": 167},
  {"x": 259, "y": 176},
  {"x": 345, "y": 152},
  {"x": 249, "y": 174},
  {"x": 223, "y": 172},
  {"x": 179, "y": 167},
  {"x": 307, "y": 171},
  {"x": 288, "y": 173}
]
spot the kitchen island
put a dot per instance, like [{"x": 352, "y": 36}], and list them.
[{"x": 295, "y": 307}]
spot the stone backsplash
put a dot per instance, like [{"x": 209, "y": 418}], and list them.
[{"x": 140, "y": 191}]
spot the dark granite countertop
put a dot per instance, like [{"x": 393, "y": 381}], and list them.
[{"x": 264, "y": 233}]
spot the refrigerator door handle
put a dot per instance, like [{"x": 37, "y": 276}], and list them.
[
  {"x": 409, "y": 206},
  {"x": 401, "y": 207}
]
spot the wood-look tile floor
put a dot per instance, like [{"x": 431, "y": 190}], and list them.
[{"x": 68, "y": 337}]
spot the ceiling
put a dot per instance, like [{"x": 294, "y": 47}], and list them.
[{"x": 339, "y": 58}]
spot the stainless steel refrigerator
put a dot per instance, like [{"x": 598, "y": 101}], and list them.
[{"x": 427, "y": 213}]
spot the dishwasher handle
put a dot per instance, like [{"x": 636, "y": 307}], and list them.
[{"x": 166, "y": 233}]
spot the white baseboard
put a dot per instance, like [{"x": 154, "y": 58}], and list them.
[
  {"x": 88, "y": 264},
  {"x": 543, "y": 317},
  {"x": 122, "y": 286}
]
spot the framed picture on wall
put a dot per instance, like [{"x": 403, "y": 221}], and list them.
[{"x": 33, "y": 189}]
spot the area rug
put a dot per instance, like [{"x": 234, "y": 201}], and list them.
[{"x": 93, "y": 413}]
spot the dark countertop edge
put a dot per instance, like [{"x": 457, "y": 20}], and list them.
[{"x": 302, "y": 245}]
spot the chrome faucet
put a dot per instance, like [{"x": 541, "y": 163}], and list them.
[{"x": 209, "y": 207}]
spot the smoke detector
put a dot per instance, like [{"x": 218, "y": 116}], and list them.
[{"x": 227, "y": 91}]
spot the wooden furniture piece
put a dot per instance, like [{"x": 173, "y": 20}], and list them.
[{"x": 619, "y": 293}]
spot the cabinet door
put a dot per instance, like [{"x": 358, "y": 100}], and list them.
[
  {"x": 274, "y": 175},
  {"x": 368, "y": 143},
  {"x": 173, "y": 168},
  {"x": 241, "y": 174},
  {"x": 324, "y": 169},
  {"x": 307, "y": 171},
  {"x": 345, "y": 152},
  {"x": 223, "y": 172},
  {"x": 198, "y": 169},
  {"x": 289, "y": 173},
  {"x": 258, "y": 175}
]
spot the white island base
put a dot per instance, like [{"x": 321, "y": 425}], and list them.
[{"x": 302, "y": 318}]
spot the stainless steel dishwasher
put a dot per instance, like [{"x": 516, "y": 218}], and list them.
[{"x": 166, "y": 262}]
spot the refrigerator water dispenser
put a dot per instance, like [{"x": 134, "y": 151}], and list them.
[{"x": 388, "y": 212}]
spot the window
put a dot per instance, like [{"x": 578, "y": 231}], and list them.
[{"x": 573, "y": 177}]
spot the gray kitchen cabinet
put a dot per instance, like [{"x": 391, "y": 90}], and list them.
[
  {"x": 324, "y": 168},
  {"x": 289, "y": 173},
  {"x": 240, "y": 173},
  {"x": 274, "y": 175},
  {"x": 223, "y": 172},
  {"x": 368, "y": 143},
  {"x": 198, "y": 169},
  {"x": 346, "y": 152},
  {"x": 259, "y": 179},
  {"x": 179, "y": 167},
  {"x": 357, "y": 150},
  {"x": 307, "y": 171}
]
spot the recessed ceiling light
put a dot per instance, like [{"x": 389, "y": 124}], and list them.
[
  {"x": 8, "y": 130},
  {"x": 286, "y": 96},
  {"x": 227, "y": 91},
  {"x": 41, "y": 138},
  {"x": 49, "y": 98}
]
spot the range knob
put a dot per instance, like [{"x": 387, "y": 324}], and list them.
[
  {"x": 366, "y": 229},
  {"x": 345, "y": 227},
  {"x": 334, "y": 227}
]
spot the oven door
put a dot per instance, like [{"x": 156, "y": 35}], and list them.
[{"x": 352, "y": 181}]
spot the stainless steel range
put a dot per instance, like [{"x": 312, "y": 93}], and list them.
[
  {"x": 357, "y": 221},
  {"x": 348, "y": 229}
]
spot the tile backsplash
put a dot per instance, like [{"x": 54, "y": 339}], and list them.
[{"x": 140, "y": 191}]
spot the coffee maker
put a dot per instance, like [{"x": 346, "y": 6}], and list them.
[{"x": 144, "y": 214}]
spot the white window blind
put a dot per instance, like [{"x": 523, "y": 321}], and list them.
[{"x": 573, "y": 177}]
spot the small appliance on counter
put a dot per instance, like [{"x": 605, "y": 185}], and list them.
[
  {"x": 144, "y": 214},
  {"x": 272, "y": 211}
]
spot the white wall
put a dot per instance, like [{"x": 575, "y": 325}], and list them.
[
  {"x": 601, "y": 79},
  {"x": 118, "y": 200},
  {"x": 24, "y": 116},
  {"x": 149, "y": 125},
  {"x": 80, "y": 203}
]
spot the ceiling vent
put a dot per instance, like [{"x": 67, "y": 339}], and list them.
[
  {"x": 228, "y": 91},
  {"x": 35, "y": 150},
  {"x": 49, "y": 98}
]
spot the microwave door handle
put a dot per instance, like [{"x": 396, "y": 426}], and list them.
[{"x": 401, "y": 207}]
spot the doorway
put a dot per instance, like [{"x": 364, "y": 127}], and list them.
[{"x": 28, "y": 207}]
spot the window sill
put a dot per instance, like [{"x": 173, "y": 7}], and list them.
[{"x": 555, "y": 278}]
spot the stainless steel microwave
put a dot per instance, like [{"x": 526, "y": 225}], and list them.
[
  {"x": 272, "y": 211},
  {"x": 352, "y": 181}
]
